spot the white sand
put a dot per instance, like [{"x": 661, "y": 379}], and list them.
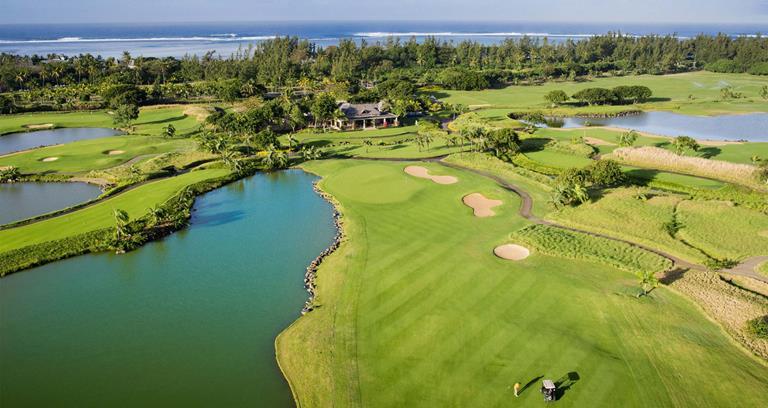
[
  {"x": 50, "y": 159},
  {"x": 511, "y": 252},
  {"x": 115, "y": 152},
  {"x": 422, "y": 172},
  {"x": 482, "y": 206},
  {"x": 598, "y": 142},
  {"x": 40, "y": 126}
]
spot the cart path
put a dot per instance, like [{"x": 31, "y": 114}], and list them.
[{"x": 746, "y": 268}]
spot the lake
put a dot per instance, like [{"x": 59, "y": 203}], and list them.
[
  {"x": 14, "y": 142},
  {"x": 186, "y": 321},
  {"x": 20, "y": 201},
  {"x": 752, "y": 127}
]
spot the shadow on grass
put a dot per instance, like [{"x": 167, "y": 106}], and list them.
[
  {"x": 534, "y": 144},
  {"x": 157, "y": 122},
  {"x": 565, "y": 383},
  {"x": 530, "y": 383},
  {"x": 709, "y": 152}
]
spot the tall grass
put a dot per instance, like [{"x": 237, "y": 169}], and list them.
[
  {"x": 569, "y": 244},
  {"x": 657, "y": 158}
]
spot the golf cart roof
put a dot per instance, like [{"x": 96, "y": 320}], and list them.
[{"x": 548, "y": 384}]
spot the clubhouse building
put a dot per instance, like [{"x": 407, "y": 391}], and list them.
[{"x": 365, "y": 116}]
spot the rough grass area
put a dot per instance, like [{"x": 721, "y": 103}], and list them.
[
  {"x": 415, "y": 310},
  {"x": 723, "y": 230},
  {"x": 695, "y": 93},
  {"x": 636, "y": 214},
  {"x": 656, "y": 158},
  {"x": 136, "y": 202},
  {"x": 569, "y": 244},
  {"x": 730, "y": 305}
]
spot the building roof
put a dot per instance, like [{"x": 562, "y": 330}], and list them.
[
  {"x": 548, "y": 384},
  {"x": 365, "y": 111}
]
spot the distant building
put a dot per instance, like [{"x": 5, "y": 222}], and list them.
[{"x": 365, "y": 116}]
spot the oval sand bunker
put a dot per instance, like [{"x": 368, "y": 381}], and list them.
[
  {"x": 50, "y": 159},
  {"x": 422, "y": 172},
  {"x": 115, "y": 152},
  {"x": 482, "y": 206},
  {"x": 511, "y": 252}
]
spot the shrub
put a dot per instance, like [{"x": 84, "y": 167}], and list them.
[
  {"x": 556, "y": 97},
  {"x": 760, "y": 68},
  {"x": 724, "y": 65},
  {"x": 759, "y": 327}
]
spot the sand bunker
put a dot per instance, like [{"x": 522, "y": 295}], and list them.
[
  {"x": 511, "y": 252},
  {"x": 422, "y": 172},
  {"x": 40, "y": 126},
  {"x": 598, "y": 142},
  {"x": 50, "y": 159},
  {"x": 482, "y": 206},
  {"x": 115, "y": 152}
]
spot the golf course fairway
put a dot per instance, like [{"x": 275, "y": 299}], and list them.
[{"x": 415, "y": 310}]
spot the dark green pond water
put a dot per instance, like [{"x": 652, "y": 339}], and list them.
[
  {"x": 27, "y": 140},
  {"x": 187, "y": 321},
  {"x": 19, "y": 201}
]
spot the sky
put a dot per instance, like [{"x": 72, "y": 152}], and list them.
[{"x": 647, "y": 11}]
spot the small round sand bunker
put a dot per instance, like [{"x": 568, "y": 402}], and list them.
[
  {"x": 422, "y": 172},
  {"x": 511, "y": 252},
  {"x": 115, "y": 152},
  {"x": 482, "y": 206},
  {"x": 50, "y": 159}
]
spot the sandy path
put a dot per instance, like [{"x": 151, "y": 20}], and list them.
[
  {"x": 511, "y": 252},
  {"x": 422, "y": 172},
  {"x": 482, "y": 206}
]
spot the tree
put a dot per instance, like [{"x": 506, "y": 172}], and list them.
[
  {"x": 123, "y": 230},
  {"x": 647, "y": 281},
  {"x": 125, "y": 114},
  {"x": 764, "y": 92},
  {"x": 683, "y": 143},
  {"x": 595, "y": 96},
  {"x": 324, "y": 109},
  {"x": 311, "y": 153},
  {"x": 296, "y": 118},
  {"x": 7, "y": 104},
  {"x": 462, "y": 79},
  {"x": 628, "y": 138},
  {"x": 605, "y": 173},
  {"x": 275, "y": 159},
  {"x": 368, "y": 143},
  {"x": 169, "y": 131},
  {"x": 504, "y": 143},
  {"x": 556, "y": 97}
]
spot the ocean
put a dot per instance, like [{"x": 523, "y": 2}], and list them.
[{"x": 178, "y": 39}]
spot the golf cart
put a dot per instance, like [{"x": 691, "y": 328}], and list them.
[{"x": 548, "y": 389}]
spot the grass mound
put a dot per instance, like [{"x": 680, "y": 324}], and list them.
[{"x": 569, "y": 244}]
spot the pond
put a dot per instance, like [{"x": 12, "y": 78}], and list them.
[
  {"x": 752, "y": 127},
  {"x": 19, "y": 201},
  {"x": 14, "y": 142},
  {"x": 186, "y": 321}
]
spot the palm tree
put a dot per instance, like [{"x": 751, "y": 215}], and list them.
[
  {"x": 580, "y": 193},
  {"x": 648, "y": 282},
  {"x": 157, "y": 214},
  {"x": 291, "y": 142},
  {"x": 368, "y": 143},
  {"x": 122, "y": 229}
]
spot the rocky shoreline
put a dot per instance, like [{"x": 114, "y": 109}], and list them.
[{"x": 311, "y": 274}]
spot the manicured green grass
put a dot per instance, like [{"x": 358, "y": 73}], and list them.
[
  {"x": 557, "y": 159},
  {"x": 92, "y": 154},
  {"x": 415, "y": 310},
  {"x": 136, "y": 202},
  {"x": 684, "y": 180},
  {"x": 151, "y": 120},
  {"x": 723, "y": 230},
  {"x": 671, "y": 92}
]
